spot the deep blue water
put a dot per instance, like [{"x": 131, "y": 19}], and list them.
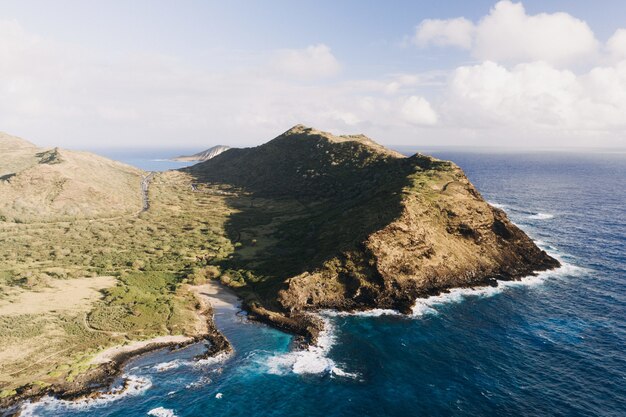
[{"x": 554, "y": 345}]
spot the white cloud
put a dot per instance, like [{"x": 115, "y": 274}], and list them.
[
  {"x": 509, "y": 35},
  {"x": 56, "y": 93},
  {"x": 616, "y": 45},
  {"x": 451, "y": 32},
  {"x": 311, "y": 62},
  {"x": 417, "y": 110},
  {"x": 536, "y": 96}
]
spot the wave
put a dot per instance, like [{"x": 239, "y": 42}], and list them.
[
  {"x": 529, "y": 214},
  {"x": 424, "y": 306},
  {"x": 313, "y": 360},
  {"x": 212, "y": 360},
  {"x": 202, "y": 382},
  {"x": 161, "y": 412},
  {"x": 541, "y": 216},
  {"x": 177, "y": 363},
  {"x": 132, "y": 386},
  {"x": 374, "y": 312},
  {"x": 167, "y": 366}
]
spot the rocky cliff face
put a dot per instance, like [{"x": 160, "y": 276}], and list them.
[{"x": 350, "y": 225}]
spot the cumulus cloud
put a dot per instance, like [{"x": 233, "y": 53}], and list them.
[
  {"x": 537, "y": 95},
  {"x": 509, "y": 35},
  {"x": 311, "y": 62},
  {"x": 417, "y": 110},
  {"x": 57, "y": 93},
  {"x": 616, "y": 45},
  {"x": 457, "y": 32}
]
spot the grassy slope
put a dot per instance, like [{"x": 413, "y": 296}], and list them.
[
  {"x": 152, "y": 254},
  {"x": 54, "y": 184}
]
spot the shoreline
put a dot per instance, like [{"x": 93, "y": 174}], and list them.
[
  {"x": 110, "y": 362},
  {"x": 304, "y": 325}
]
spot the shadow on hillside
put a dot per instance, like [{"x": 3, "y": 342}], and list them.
[{"x": 285, "y": 223}]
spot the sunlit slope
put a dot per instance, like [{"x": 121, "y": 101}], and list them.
[{"x": 50, "y": 184}]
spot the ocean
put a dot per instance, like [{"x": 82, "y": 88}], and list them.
[{"x": 551, "y": 345}]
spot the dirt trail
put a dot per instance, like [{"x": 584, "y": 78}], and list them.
[{"x": 145, "y": 185}]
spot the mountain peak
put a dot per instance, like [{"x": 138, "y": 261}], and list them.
[{"x": 302, "y": 131}]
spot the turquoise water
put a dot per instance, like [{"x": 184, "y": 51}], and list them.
[{"x": 551, "y": 345}]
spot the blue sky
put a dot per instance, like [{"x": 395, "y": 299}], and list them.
[{"x": 147, "y": 73}]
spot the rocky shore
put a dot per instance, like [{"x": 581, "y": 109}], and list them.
[{"x": 96, "y": 382}]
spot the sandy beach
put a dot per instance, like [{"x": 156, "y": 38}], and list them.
[{"x": 218, "y": 296}]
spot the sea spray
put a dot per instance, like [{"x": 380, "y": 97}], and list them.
[{"x": 313, "y": 360}]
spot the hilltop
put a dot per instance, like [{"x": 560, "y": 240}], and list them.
[
  {"x": 46, "y": 184},
  {"x": 327, "y": 221},
  {"x": 204, "y": 155}
]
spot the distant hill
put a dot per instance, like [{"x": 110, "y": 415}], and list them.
[
  {"x": 38, "y": 184},
  {"x": 204, "y": 155}
]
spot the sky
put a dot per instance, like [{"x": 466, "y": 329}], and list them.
[{"x": 162, "y": 74}]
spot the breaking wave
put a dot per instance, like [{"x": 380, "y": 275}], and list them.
[
  {"x": 132, "y": 386},
  {"x": 177, "y": 363},
  {"x": 497, "y": 205},
  {"x": 541, "y": 216},
  {"x": 374, "y": 312},
  {"x": 424, "y": 306},
  {"x": 313, "y": 360},
  {"x": 161, "y": 412}
]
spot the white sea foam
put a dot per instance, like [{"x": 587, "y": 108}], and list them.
[
  {"x": 133, "y": 385},
  {"x": 541, "y": 216},
  {"x": 375, "y": 312},
  {"x": 161, "y": 412},
  {"x": 212, "y": 360},
  {"x": 166, "y": 366},
  {"x": 497, "y": 205},
  {"x": 177, "y": 363},
  {"x": 425, "y": 306},
  {"x": 428, "y": 305},
  {"x": 313, "y": 360},
  {"x": 205, "y": 380}
]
